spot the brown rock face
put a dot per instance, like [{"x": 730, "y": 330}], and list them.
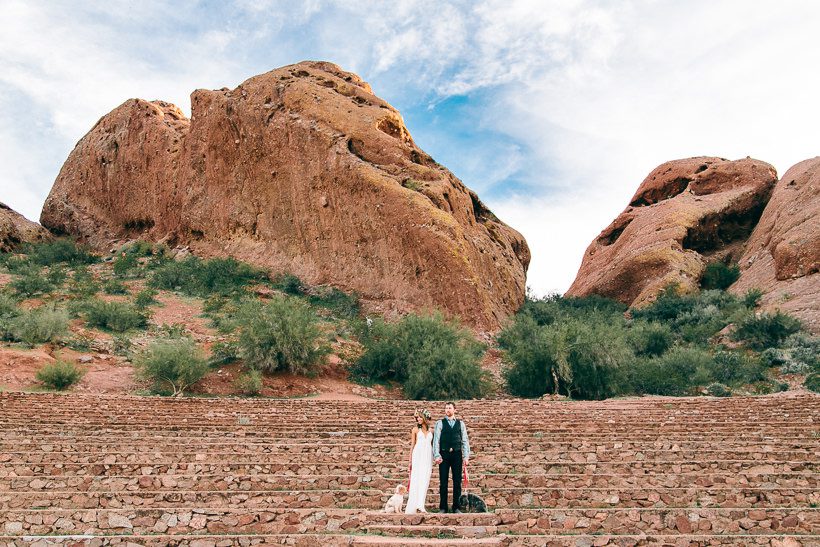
[
  {"x": 684, "y": 214},
  {"x": 16, "y": 229},
  {"x": 782, "y": 256},
  {"x": 301, "y": 169}
]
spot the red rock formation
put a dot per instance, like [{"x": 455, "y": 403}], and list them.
[
  {"x": 301, "y": 169},
  {"x": 16, "y": 229},
  {"x": 684, "y": 214},
  {"x": 782, "y": 256}
]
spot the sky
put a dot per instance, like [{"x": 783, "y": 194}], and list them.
[{"x": 553, "y": 111}]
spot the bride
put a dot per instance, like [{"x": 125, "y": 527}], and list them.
[{"x": 421, "y": 462}]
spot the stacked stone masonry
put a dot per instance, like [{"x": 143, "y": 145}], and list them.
[{"x": 101, "y": 470}]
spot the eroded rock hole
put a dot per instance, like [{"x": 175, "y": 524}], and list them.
[
  {"x": 390, "y": 127},
  {"x": 355, "y": 146},
  {"x": 717, "y": 230},
  {"x": 301, "y": 73},
  {"x": 701, "y": 169},
  {"x": 669, "y": 190},
  {"x": 138, "y": 224},
  {"x": 611, "y": 234},
  {"x": 482, "y": 213}
]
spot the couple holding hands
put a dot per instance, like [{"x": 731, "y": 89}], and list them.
[{"x": 447, "y": 446}]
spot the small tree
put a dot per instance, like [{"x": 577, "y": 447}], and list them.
[
  {"x": 59, "y": 375},
  {"x": 717, "y": 275},
  {"x": 766, "y": 330},
  {"x": 174, "y": 363},
  {"x": 282, "y": 335}
]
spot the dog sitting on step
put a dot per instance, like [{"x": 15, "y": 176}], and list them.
[
  {"x": 395, "y": 502},
  {"x": 472, "y": 503}
]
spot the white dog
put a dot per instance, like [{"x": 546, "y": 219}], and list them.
[{"x": 395, "y": 502}]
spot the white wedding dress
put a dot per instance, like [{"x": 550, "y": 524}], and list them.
[{"x": 422, "y": 468}]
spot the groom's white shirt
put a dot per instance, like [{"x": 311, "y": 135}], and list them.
[{"x": 465, "y": 441}]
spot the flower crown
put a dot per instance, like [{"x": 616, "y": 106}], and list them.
[{"x": 424, "y": 414}]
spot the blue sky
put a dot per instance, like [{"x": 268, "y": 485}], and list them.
[{"x": 553, "y": 111}]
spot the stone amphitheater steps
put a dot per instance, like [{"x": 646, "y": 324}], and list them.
[{"x": 155, "y": 471}]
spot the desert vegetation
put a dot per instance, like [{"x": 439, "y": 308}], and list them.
[{"x": 710, "y": 342}]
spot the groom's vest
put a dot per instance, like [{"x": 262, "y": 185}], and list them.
[{"x": 450, "y": 436}]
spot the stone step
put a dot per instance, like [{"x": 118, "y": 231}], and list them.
[
  {"x": 375, "y": 499},
  {"x": 291, "y": 521}
]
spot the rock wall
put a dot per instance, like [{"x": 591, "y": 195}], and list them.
[
  {"x": 302, "y": 169},
  {"x": 15, "y": 229}
]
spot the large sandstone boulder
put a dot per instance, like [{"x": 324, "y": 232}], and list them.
[
  {"x": 782, "y": 256},
  {"x": 684, "y": 214},
  {"x": 16, "y": 229},
  {"x": 301, "y": 169}
]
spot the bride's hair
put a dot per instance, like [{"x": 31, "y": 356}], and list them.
[{"x": 425, "y": 417}]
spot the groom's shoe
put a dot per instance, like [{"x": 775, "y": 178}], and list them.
[{"x": 455, "y": 510}]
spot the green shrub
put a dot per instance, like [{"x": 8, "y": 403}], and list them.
[
  {"x": 40, "y": 325},
  {"x": 223, "y": 353},
  {"x": 766, "y": 330},
  {"x": 197, "y": 277},
  {"x": 580, "y": 356},
  {"x": 673, "y": 373},
  {"x": 172, "y": 364},
  {"x": 668, "y": 305},
  {"x": 717, "y": 389},
  {"x": 114, "y": 316},
  {"x": 115, "y": 286},
  {"x": 60, "y": 250},
  {"x": 718, "y": 275},
  {"x": 289, "y": 283},
  {"x": 31, "y": 282},
  {"x": 554, "y": 307},
  {"x": 431, "y": 356},
  {"x": 14, "y": 263},
  {"x": 282, "y": 335},
  {"x": 812, "y": 382},
  {"x": 121, "y": 345},
  {"x": 59, "y": 375},
  {"x": 249, "y": 383},
  {"x": 80, "y": 343},
  {"x": 650, "y": 339},
  {"x": 339, "y": 302},
  {"x": 734, "y": 367},
  {"x": 145, "y": 298},
  {"x": 56, "y": 275},
  {"x": 126, "y": 265},
  {"x": 9, "y": 311},
  {"x": 752, "y": 298},
  {"x": 83, "y": 284}
]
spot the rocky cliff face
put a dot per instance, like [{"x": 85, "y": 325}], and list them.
[
  {"x": 301, "y": 169},
  {"x": 689, "y": 212},
  {"x": 15, "y": 229},
  {"x": 782, "y": 256},
  {"x": 684, "y": 214}
]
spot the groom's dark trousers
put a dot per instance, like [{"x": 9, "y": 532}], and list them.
[{"x": 450, "y": 462}]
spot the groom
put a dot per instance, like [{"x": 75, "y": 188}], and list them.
[{"x": 451, "y": 449}]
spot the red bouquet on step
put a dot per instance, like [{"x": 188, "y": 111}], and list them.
[{"x": 465, "y": 477}]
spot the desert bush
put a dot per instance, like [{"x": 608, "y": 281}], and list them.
[
  {"x": 197, "y": 277},
  {"x": 752, "y": 297},
  {"x": 145, "y": 298},
  {"x": 650, "y": 339},
  {"x": 83, "y": 284},
  {"x": 812, "y": 382},
  {"x": 172, "y": 364},
  {"x": 716, "y": 389},
  {"x": 673, "y": 373},
  {"x": 735, "y": 367},
  {"x": 223, "y": 353},
  {"x": 40, "y": 325},
  {"x": 249, "y": 383},
  {"x": 717, "y": 275},
  {"x": 59, "y": 375},
  {"x": 424, "y": 353},
  {"x": 114, "y": 286},
  {"x": 56, "y": 275},
  {"x": 289, "y": 284},
  {"x": 765, "y": 330},
  {"x": 121, "y": 345},
  {"x": 579, "y": 356},
  {"x": 9, "y": 311},
  {"x": 13, "y": 263},
  {"x": 126, "y": 265},
  {"x": 60, "y": 250},
  {"x": 281, "y": 335},
  {"x": 30, "y": 282},
  {"x": 551, "y": 308},
  {"x": 339, "y": 302},
  {"x": 114, "y": 316},
  {"x": 80, "y": 342}
]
